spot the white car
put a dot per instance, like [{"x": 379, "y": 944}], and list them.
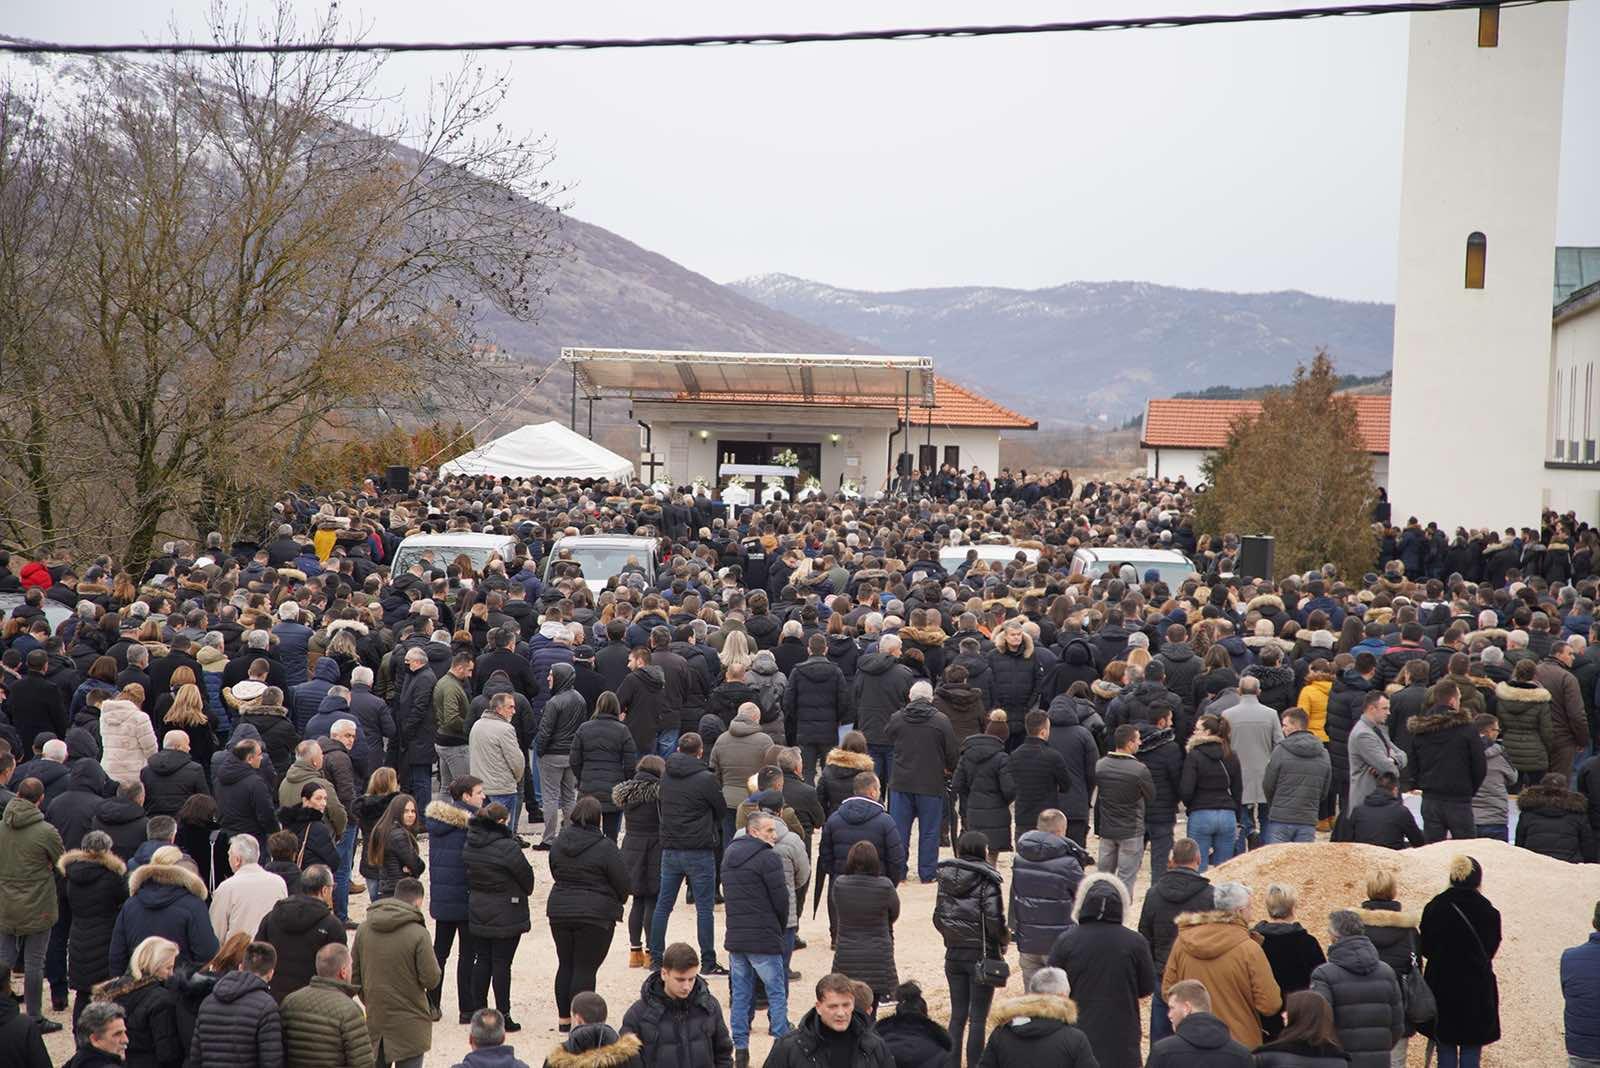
[
  {"x": 446, "y": 547},
  {"x": 602, "y": 556},
  {"x": 953, "y": 556},
  {"x": 1171, "y": 565}
]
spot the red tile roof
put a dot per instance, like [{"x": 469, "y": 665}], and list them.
[
  {"x": 954, "y": 406},
  {"x": 1171, "y": 423}
]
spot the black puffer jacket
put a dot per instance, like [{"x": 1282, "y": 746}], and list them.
[
  {"x": 1159, "y": 751},
  {"x": 867, "y": 907},
  {"x": 278, "y": 735},
  {"x": 170, "y": 778},
  {"x": 1367, "y": 1010},
  {"x": 1210, "y": 780},
  {"x": 861, "y": 819},
  {"x": 1071, "y": 737},
  {"x": 754, "y": 884},
  {"x": 72, "y": 811},
  {"x": 1015, "y": 681},
  {"x": 1382, "y": 819},
  {"x": 401, "y": 860},
  {"x": 1393, "y": 933},
  {"x": 692, "y": 805},
  {"x": 1278, "y": 690},
  {"x": 238, "y": 1025},
  {"x": 1045, "y": 875},
  {"x": 1447, "y": 755},
  {"x": 816, "y": 700},
  {"x": 641, "y": 836},
  {"x": 690, "y": 1033},
  {"x": 1147, "y": 702},
  {"x": 1555, "y": 822},
  {"x": 914, "y": 1040},
  {"x": 1042, "y": 776},
  {"x": 1179, "y": 890},
  {"x": 95, "y": 886},
  {"x": 602, "y": 756},
  {"x": 970, "y": 910},
  {"x": 499, "y": 880},
  {"x": 1183, "y": 667},
  {"x": 986, "y": 789},
  {"x": 564, "y": 713},
  {"x": 1344, "y": 708},
  {"x": 244, "y": 804},
  {"x": 589, "y": 879}
]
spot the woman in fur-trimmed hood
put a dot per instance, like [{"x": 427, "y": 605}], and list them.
[
  {"x": 1037, "y": 1029},
  {"x": 1524, "y": 709},
  {"x": 837, "y": 778},
  {"x": 1554, "y": 821},
  {"x": 596, "y": 1045},
  {"x": 169, "y": 900}
]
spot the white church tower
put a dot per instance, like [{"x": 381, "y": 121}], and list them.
[{"x": 1477, "y": 252}]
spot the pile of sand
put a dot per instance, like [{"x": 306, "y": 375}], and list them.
[{"x": 1545, "y": 906}]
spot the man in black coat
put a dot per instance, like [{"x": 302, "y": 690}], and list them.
[
  {"x": 611, "y": 659},
  {"x": 1181, "y": 888},
  {"x": 123, "y": 818},
  {"x": 677, "y": 1018},
  {"x": 1180, "y": 667},
  {"x": 800, "y": 795},
  {"x": 72, "y": 811},
  {"x": 297, "y": 927},
  {"x": 1449, "y": 762},
  {"x": 816, "y": 701},
  {"x": 1382, "y": 819},
  {"x": 1039, "y": 1029},
  {"x": 414, "y": 724},
  {"x": 881, "y": 687},
  {"x": 692, "y": 813},
  {"x": 832, "y": 1033},
  {"x": 171, "y": 777},
  {"x": 757, "y": 914},
  {"x": 1159, "y": 751},
  {"x": 861, "y": 818},
  {"x": 244, "y": 804},
  {"x": 1345, "y": 701},
  {"x": 1039, "y": 771},
  {"x": 925, "y": 754},
  {"x": 1201, "y": 1039},
  {"x": 502, "y": 656},
  {"x": 34, "y": 703}
]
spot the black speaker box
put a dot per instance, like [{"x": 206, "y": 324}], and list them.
[
  {"x": 1255, "y": 556},
  {"x": 397, "y": 478}
]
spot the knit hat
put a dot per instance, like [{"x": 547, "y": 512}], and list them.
[
  {"x": 1322, "y": 639},
  {"x": 1465, "y": 871}
]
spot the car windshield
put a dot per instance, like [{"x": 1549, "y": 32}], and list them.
[
  {"x": 1172, "y": 574},
  {"x": 598, "y": 562},
  {"x": 443, "y": 555}
]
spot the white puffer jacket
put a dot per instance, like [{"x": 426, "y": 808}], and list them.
[{"x": 126, "y": 738}]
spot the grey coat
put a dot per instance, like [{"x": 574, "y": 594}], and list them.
[
  {"x": 1255, "y": 732},
  {"x": 1371, "y": 754},
  {"x": 1491, "y": 804},
  {"x": 1297, "y": 778},
  {"x": 1365, "y": 995}
]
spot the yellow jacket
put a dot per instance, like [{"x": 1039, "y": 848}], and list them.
[{"x": 1314, "y": 699}]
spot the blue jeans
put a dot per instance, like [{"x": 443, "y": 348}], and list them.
[
  {"x": 928, "y": 811},
  {"x": 1278, "y": 833},
  {"x": 743, "y": 969},
  {"x": 699, "y": 868},
  {"x": 419, "y": 783},
  {"x": 882, "y": 761},
  {"x": 1213, "y": 830},
  {"x": 1160, "y": 1022},
  {"x": 1459, "y": 1056},
  {"x": 341, "y": 878},
  {"x": 512, "y": 804},
  {"x": 1251, "y": 817},
  {"x": 1500, "y": 832},
  {"x": 666, "y": 742}
]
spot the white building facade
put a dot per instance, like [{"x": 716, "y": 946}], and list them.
[{"x": 1477, "y": 228}]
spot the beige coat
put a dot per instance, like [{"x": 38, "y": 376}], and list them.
[
  {"x": 127, "y": 739},
  {"x": 1219, "y": 950}
]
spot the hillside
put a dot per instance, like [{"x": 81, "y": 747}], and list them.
[{"x": 1077, "y": 352}]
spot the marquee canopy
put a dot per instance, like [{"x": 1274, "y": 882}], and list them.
[
  {"x": 667, "y": 375},
  {"x": 541, "y": 450}
]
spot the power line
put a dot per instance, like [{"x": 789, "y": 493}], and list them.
[{"x": 594, "y": 44}]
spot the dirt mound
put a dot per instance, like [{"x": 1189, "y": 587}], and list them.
[{"x": 1545, "y": 906}]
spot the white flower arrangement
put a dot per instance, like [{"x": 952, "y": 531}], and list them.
[
  {"x": 787, "y": 458},
  {"x": 812, "y": 482},
  {"x": 849, "y": 488}
]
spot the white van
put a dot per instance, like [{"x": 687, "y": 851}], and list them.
[{"x": 446, "y": 547}]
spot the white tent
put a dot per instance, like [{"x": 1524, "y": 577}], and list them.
[{"x": 541, "y": 450}]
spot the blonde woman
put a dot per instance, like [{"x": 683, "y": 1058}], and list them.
[
  {"x": 187, "y": 713},
  {"x": 150, "y": 1002},
  {"x": 736, "y": 650}
]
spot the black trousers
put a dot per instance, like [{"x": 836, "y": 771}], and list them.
[
  {"x": 811, "y": 755},
  {"x": 1078, "y": 831},
  {"x": 969, "y": 1009},
  {"x": 492, "y": 964},
  {"x": 580, "y": 950},
  {"x": 1452, "y": 818},
  {"x": 640, "y": 913},
  {"x": 444, "y": 934}
]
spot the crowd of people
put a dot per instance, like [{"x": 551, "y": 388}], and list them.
[{"x": 202, "y": 761}]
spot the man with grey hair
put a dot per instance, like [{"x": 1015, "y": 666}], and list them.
[
  {"x": 414, "y": 725},
  {"x": 1217, "y": 949},
  {"x": 1039, "y": 1028},
  {"x": 242, "y": 900},
  {"x": 487, "y": 1040},
  {"x": 338, "y": 768},
  {"x": 881, "y": 687},
  {"x": 375, "y": 720},
  {"x": 1254, "y": 732},
  {"x": 102, "y": 1033},
  {"x": 1365, "y": 995},
  {"x": 925, "y": 749}
]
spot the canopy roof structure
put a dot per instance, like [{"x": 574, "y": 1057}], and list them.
[
  {"x": 688, "y": 376},
  {"x": 541, "y": 450}
]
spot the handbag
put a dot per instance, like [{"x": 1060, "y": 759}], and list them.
[
  {"x": 1421, "y": 1005},
  {"x": 992, "y": 971}
]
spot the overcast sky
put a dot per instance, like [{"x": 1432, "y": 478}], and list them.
[{"x": 1241, "y": 157}]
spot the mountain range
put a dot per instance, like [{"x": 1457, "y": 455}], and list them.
[{"x": 1091, "y": 352}]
